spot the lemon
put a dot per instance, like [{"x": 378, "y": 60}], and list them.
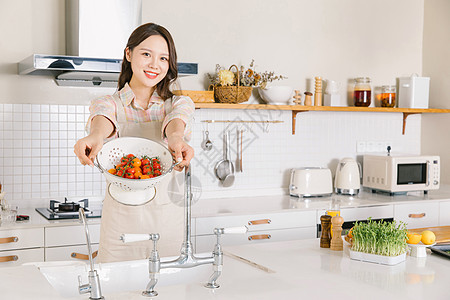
[
  {"x": 413, "y": 238},
  {"x": 428, "y": 237}
]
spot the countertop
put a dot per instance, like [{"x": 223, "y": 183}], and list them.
[
  {"x": 302, "y": 270},
  {"x": 261, "y": 204}
]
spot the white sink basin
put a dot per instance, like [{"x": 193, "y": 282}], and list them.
[{"x": 120, "y": 276}]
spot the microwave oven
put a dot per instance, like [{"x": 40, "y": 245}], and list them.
[{"x": 401, "y": 173}]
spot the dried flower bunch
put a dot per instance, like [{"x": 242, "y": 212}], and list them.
[{"x": 247, "y": 77}]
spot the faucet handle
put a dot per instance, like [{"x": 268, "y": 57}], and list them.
[
  {"x": 136, "y": 237},
  {"x": 83, "y": 288},
  {"x": 231, "y": 230}
]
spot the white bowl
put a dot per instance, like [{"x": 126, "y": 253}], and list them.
[{"x": 277, "y": 94}]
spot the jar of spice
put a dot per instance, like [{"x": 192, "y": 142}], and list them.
[
  {"x": 363, "y": 92},
  {"x": 388, "y": 96}
]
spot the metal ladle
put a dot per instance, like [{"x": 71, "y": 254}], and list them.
[
  {"x": 224, "y": 168},
  {"x": 207, "y": 144}
]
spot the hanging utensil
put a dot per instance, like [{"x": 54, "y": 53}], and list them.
[
  {"x": 224, "y": 168},
  {"x": 240, "y": 150},
  {"x": 207, "y": 143}
]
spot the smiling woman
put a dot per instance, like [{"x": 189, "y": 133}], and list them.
[{"x": 145, "y": 107}]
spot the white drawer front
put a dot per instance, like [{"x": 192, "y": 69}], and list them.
[
  {"x": 21, "y": 238},
  {"x": 417, "y": 215},
  {"x": 267, "y": 221},
  {"x": 70, "y": 235},
  {"x": 363, "y": 213},
  {"x": 205, "y": 243},
  {"x": 22, "y": 256},
  {"x": 65, "y": 253},
  {"x": 444, "y": 213}
]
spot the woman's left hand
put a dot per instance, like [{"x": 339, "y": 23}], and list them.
[{"x": 180, "y": 150}]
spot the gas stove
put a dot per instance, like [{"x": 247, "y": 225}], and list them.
[{"x": 53, "y": 212}]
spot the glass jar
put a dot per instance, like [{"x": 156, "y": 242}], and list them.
[
  {"x": 388, "y": 96},
  {"x": 362, "y": 93}
]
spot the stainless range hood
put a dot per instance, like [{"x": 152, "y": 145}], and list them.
[{"x": 96, "y": 34}]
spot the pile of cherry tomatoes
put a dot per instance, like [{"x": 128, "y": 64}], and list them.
[{"x": 132, "y": 167}]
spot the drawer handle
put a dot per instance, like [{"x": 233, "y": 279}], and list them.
[
  {"x": 259, "y": 237},
  {"x": 83, "y": 256},
  {"x": 9, "y": 258},
  {"x": 259, "y": 222},
  {"x": 417, "y": 216},
  {"x": 11, "y": 239}
]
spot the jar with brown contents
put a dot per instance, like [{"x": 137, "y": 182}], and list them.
[
  {"x": 363, "y": 92},
  {"x": 388, "y": 96}
]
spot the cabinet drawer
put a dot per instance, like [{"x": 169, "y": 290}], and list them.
[
  {"x": 205, "y": 243},
  {"x": 70, "y": 235},
  {"x": 257, "y": 222},
  {"x": 444, "y": 213},
  {"x": 12, "y": 258},
  {"x": 65, "y": 253},
  {"x": 417, "y": 215},
  {"x": 363, "y": 213},
  {"x": 21, "y": 238}
]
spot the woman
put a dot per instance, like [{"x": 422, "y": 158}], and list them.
[{"x": 143, "y": 106}]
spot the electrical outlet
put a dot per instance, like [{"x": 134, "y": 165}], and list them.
[
  {"x": 379, "y": 147},
  {"x": 360, "y": 147},
  {"x": 370, "y": 146}
]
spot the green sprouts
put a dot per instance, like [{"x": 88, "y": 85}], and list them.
[{"x": 382, "y": 238}]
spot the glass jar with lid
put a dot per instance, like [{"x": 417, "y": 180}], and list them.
[
  {"x": 363, "y": 92},
  {"x": 388, "y": 96}
]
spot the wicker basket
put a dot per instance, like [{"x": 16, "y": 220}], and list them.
[{"x": 232, "y": 94}]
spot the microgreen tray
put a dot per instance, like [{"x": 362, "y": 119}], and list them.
[{"x": 378, "y": 259}]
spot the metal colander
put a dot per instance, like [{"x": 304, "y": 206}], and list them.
[{"x": 114, "y": 150}]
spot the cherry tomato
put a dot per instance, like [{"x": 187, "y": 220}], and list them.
[
  {"x": 112, "y": 171},
  {"x": 145, "y": 161},
  {"x": 131, "y": 156},
  {"x": 129, "y": 175},
  {"x": 130, "y": 170},
  {"x": 156, "y": 166},
  {"x": 120, "y": 173},
  {"x": 136, "y": 162},
  {"x": 138, "y": 175},
  {"x": 145, "y": 177},
  {"x": 157, "y": 172},
  {"x": 124, "y": 160}
]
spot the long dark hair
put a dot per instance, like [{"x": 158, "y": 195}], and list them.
[{"x": 140, "y": 34}]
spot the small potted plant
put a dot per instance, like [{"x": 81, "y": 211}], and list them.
[
  {"x": 236, "y": 87},
  {"x": 380, "y": 242}
]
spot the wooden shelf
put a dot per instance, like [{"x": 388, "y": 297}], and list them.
[{"x": 301, "y": 108}]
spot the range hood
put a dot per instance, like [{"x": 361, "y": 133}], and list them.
[{"x": 96, "y": 34}]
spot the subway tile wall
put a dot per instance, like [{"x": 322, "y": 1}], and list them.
[{"x": 37, "y": 159}]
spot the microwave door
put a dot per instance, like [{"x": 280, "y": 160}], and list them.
[{"x": 412, "y": 174}]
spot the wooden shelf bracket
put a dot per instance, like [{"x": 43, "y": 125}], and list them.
[{"x": 405, "y": 115}]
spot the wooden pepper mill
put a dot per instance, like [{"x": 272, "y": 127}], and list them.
[
  {"x": 325, "y": 238},
  {"x": 308, "y": 101},
  {"x": 318, "y": 92},
  {"x": 298, "y": 98},
  {"x": 336, "y": 241}
]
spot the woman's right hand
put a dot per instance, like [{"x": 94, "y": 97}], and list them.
[{"x": 87, "y": 148}]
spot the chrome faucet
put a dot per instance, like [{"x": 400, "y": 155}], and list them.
[
  {"x": 93, "y": 286},
  {"x": 187, "y": 258}
]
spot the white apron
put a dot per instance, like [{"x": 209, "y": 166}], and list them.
[{"x": 159, "y": 215}]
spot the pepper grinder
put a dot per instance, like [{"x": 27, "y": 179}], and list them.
[
  {"x": 325, "y": 238},
  {"x": 318, "y": 91},
  {"x": 336, "y": 241}
]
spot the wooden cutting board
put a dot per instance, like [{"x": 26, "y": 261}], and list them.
[{"x": 442, "y": 233}]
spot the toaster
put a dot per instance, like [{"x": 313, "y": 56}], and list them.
[{"x": 311, "y": 182}]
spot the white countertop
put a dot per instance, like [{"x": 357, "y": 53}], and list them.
[{"x": 302, "y": 270}]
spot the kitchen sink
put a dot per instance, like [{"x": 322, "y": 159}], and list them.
[
  {"x": 118, "y": 277},
  {"x": 442, "y": 249}
]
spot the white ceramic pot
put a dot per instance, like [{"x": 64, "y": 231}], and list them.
[{"x": 281, "y": 95}]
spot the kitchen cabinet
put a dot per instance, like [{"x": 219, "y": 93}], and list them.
[
  {"x": 302, "y": 108},
  {"x": 69, "y": 242},
  {"x": 18, "y": 246},
  {"x": 262, "y": 228},
  {"x": 444, "y": 213},
  {"x": 417, "y": 215}
]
